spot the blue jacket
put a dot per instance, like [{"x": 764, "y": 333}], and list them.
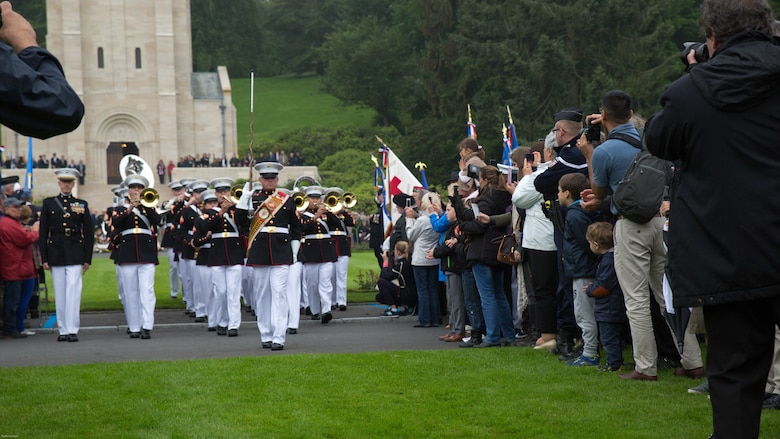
[
  {"x": 610, "y": 306},
  {"x": 578, "y": 261}
]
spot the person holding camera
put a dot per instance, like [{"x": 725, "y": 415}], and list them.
[{"x": 721, "y": 119}]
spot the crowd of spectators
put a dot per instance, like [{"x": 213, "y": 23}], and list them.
[{"x": 213, "y": 161}]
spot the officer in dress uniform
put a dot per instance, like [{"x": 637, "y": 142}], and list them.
[
  {"x": 201, "y": 241},
  {"x": 319, "y": 254},
  {"x": 343, "y": 238},
  {"x": 135, "y": 231},
  {"x": 226, "y": 261},
  {"x": 169, "y": 232},
  {"x": 271, "y": 250},
  {"x": 196, "y": 301},
  {"x": 66, "y": 240}
]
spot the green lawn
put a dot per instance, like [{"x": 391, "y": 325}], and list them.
[
  {"x": 289, "y": 103},
  {"x": 100, "y": 289}
]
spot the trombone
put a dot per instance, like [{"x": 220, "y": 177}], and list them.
[
  {"x": 349, "y": 199},
  {"x": 149, "y": 197},
  {"x": 235, "y": 192},
  {"x": 301, "y": 201},
  {"x": 333, "y": 202}
]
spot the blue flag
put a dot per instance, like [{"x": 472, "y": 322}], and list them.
[{"x": 28, "y": 176}]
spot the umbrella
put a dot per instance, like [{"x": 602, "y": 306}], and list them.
[{"x": 676, "y": 317}]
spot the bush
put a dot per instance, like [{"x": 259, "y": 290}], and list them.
[{"x": 366, "y": 279}]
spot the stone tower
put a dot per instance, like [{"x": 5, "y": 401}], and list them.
[{"x": 131, "y": 63}]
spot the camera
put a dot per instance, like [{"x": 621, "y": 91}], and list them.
[
  {"x": 515, "y": 174},
  {"x": 473, "y": 171},
  {"x": 700, "y": 52},
  {"x": 593, "y": 132}
]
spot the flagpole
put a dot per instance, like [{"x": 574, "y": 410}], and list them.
[{"x": 251, "y": 122}]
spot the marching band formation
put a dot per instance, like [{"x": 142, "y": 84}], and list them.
[{"x": 279, "y": 250}]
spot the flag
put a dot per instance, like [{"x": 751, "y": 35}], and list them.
[
  {"x": 398, "y": 179},
  {"x": 421, "y": 167},
  {"x": 28, "y": 176},
  {"x": 507, "y": 148},
  {"x": 471, "y": 129},
  {"x": 510, "y": 137}
]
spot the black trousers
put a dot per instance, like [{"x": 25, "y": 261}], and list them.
[
  {"x": 544, "y": 271},
  {"x": 740, "y": 343}
]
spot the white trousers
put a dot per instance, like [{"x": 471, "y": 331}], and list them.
[
  {"x": 247, "y": 284},
  {"x": 119, "y": 287},
  {"x": 340, "y": 269},
  {"x": 317, "y": 277},
  {"x": 227, "y": 296},
  {"x": 187, "y": 272},
  {"x": 271, "y": 306},
  {"x": 173, "y": 273},
  {"x": 294, "y": 282},
  {"x": 138, "y": 283},
  {"x": 67, "y": 297},
  {"x": 202, "y": 289}
]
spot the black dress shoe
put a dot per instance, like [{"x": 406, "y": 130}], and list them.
[
  {"x": 333, "y": 307},
  {"x": 267, "y": 345},
  {"x": 62, "y": 337},
  {"x": 222, "y": 330},
  {"x": 135, "y": 335},
  {"x": 212, "y": 328},
  {"x": 307, "y": 311},
  {"x": 233, "y": 333},
  {"x": 327, "y": 317},
  {"x": 342, "y": 307},
  {"x": 277, "y": 347},
  {"x": 145, "y": 335},
  {"x": 200, "y": 319},
  {"x": 73, "y": 338},
  {"x": 315, "y": 316},
  {"x": 292, "y": 330}
]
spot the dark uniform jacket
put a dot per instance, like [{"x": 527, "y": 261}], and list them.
[
  {"x": 272, "y": 245},
  {"x": 341, "y": 236},
  {"x": 187, "y": 229},
  {"x": 317, "y": 245},
  {"x": 721, "y": 120},
  {"x": 227, "y": 247},
  {"x": 200, "y": 237},
  {"x": 170, "y": 225},
  {"x": 136, "y": 240},
  {"x": 66, "y": 231}
]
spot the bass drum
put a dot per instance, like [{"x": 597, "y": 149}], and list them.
[{"x": 132, "y": 164}]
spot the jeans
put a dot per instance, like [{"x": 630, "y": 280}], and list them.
[
  {"x": 610, "y": 338},
  {"x": 12, "y": 290},
  {"x": 24, "y": 301},
  {"x": 426, "y": 278},
  {"x": 495, "y": 306},
  {"x": 473, "y": 303}
]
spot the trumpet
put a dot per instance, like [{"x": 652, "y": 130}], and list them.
[
  {"x": 149, "y": 197},
  {"x": 349, "y": 199},
  {"x": 235, "y": 192},
  {"x": 332, "y": 202},
  {"x": 301, "y": 201}
]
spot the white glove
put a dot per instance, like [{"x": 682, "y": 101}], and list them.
[
  {"x": 246, "y": 197},
  {"x": 295, "y": 245}
]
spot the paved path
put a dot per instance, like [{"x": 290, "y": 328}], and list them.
[{"x": 103, "y": 339}]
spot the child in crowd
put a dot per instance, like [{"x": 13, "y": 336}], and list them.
[
  {"x": 395, "y": 285},
  {"x": 610, "y": 310},
  {"x": 579, "y": 264}
]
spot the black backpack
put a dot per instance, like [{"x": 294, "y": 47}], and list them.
[{"x": 639, "y": 194}]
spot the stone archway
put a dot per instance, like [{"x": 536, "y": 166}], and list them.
[
  {"x": 120, "y": 134},
  {"x": 114, "y": 154}
]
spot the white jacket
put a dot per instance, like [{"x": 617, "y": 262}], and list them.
[{"x": 537, "y": 230}]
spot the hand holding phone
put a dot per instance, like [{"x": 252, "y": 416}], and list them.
[{"x": 475, "y": 209}]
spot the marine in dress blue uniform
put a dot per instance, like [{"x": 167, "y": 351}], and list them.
[
  {"x": 319, "y": 253},
  {"x": 66, "y": 240}
]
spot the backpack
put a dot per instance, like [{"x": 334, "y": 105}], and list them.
[{"x": 639, "y": 194}]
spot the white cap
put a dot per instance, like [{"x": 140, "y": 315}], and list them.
[
  {"x": 222, "y": 182},
  {"x": 137, "y": 180},
  {"x": 267, "y": 169},
  {"x": 313, "y": 191},
  {"x": 67, "y": 174}
]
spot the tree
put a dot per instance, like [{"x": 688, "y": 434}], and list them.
[{"x": 226, "y": 33}]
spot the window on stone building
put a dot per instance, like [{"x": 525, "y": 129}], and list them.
[
  {"x": 100, "y": 58},
  {"x": 137, "y": 57}
]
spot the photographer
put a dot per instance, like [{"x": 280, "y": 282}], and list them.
[
  {"x": 36, "y": 99},
  {"x": 722, "y": 119}
]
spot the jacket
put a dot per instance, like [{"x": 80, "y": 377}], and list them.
[
  {"x": 136, "y": 241},
  {"x": 16, "y": 247},
  {"x": 272, "y": 245},
  {"x": 721, "y": 121},
  {"x": 578, "y": 261},
  {"x": 482, "y": 239},
  {"x": 610, "y": 305},
  {"x": 423, "y": 236},
  {"x": 537, "y": 228},
  {"x": 66, "y": 232}
]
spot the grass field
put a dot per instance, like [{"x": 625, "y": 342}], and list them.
[
  {"x": 100, "y": 289},
  {"x": 289, "y": 103}
]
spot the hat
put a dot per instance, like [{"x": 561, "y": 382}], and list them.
[
  {"x": 25, "y": 194},
  {"x": 186, "y": 181},
  {"x": 67, "y": 174},
  {"x": 136, "y": 180},
  {"x": 571, "y": 113},
  {"x": 454, "y": 177},
  {"x": 209, "y": 196},
  {"x": 198, "y": 185},
  {"x": 313, "y": 191},
  {"x": 175, "y": 185},
  {"x": 11, "y": 202},
  {"x": 9, "y": 180},
  {"x": 268, "y": 169},
  {"x": 117, "y": 190},
  {"x": 400, "y": 199},
  {"x": 123, "y": 193},
  {"x": 222, "y": 182}
]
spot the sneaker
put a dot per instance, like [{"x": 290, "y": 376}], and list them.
[
  {"x": 584, "y": 360},
  {"x": 571, "y": 355},
  {"x": 701, "y": 389},
  {"x": 28, "y": 333},
  {"x": 473, "y": 341},
  {"x": 606, "y": 367}
]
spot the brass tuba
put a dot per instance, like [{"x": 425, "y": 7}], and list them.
[{"x": 149, "y": 197}]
